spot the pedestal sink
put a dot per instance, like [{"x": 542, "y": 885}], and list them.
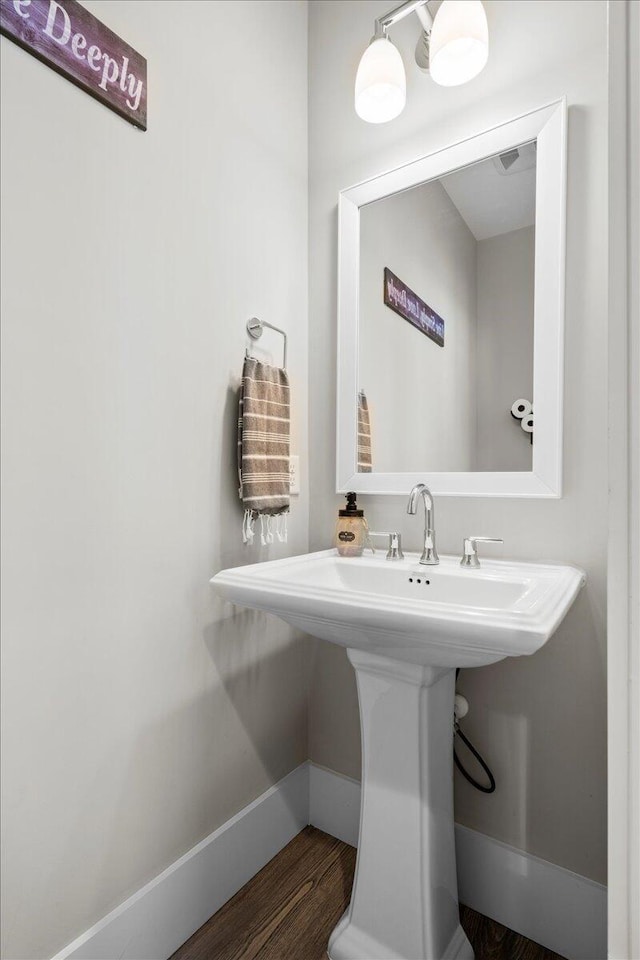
[{"x": 406, "y": 628}]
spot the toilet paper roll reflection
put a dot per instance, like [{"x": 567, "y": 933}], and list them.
[
  {"x": 521, "y": 408},
  {"x": 527, "y": 423}
]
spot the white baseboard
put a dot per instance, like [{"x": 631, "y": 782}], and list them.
[
  {"x": 156, "y": 920},
  {"x": 334, "y": 804},
  {"x": 560, "y": 910}
]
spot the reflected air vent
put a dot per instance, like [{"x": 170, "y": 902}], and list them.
[{"x": 516, "y": 160}]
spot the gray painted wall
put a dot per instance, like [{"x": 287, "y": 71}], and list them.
[
  {"x": 540, "y": 721},
  {"x": 138, "y": 712}
]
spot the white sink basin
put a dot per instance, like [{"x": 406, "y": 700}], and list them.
[
  {"x": 448, "y": 615},
  {"x": 407, "y": 627}
]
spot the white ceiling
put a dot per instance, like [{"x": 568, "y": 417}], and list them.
[{"x": 492, "y": 202}]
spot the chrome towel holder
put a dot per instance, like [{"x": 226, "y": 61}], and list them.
[{"x": 255, "y": 329}]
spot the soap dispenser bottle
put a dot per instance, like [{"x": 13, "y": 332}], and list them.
[{"x": 352, "y": 532}]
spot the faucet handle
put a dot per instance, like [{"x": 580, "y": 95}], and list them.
[
  {"x": 395, "y": 544},
  {"x": 470, "y": 551}
]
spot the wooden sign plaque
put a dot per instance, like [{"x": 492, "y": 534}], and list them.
[
  {"x": 77, "y": 45},
  {"x": 408, "y": 304}
]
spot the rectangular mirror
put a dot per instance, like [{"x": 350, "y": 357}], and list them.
[{"x": 451, "y": 304}]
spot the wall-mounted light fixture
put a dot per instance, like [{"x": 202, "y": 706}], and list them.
[{"x": 453, "y": 47}]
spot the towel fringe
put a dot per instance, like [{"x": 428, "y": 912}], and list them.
[
  {"x": 272, "y": 527},
  {"x": 248, "y": 527},
  {"x": 281, "y": 527},
  {"x": 266, "y": 528}
]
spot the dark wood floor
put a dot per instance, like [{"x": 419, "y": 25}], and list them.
[{"x": 288, "y": 910}]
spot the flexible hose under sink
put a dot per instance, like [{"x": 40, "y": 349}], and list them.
[{"x": 472, "y": 749}]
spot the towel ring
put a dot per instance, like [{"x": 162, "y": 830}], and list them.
[{"x": 255, "y": 329}]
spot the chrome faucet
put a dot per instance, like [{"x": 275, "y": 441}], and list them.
[{"x": 429, "y": 553}]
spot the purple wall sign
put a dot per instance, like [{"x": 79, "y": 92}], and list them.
[
  {"x": 405, "y": 302},
  {"x": 77, "y": 45}
]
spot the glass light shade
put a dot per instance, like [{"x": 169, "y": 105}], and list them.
[
  {"x": 459, "y": 45},
  {"x": 381, "y": 84}
]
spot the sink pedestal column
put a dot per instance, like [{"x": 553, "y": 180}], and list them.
[{"x": 404, "y": 904}]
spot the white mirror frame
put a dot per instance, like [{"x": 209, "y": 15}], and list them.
[{"x": 547, "y": 125}]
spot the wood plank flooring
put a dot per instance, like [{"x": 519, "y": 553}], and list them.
[{"x": 288, "y": 910}]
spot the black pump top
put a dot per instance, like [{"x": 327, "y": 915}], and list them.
[{"x": 351, "y": 509}]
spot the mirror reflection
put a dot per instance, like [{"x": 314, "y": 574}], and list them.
[{"x": 446, "y": 296}]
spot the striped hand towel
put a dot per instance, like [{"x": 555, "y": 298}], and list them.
[
  {"x": 263, "y": 450},
  {"x": 365, "y": 463}
]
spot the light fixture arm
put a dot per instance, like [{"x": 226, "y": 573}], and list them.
[
  {"x": 452, "y": 47},
  {"x": 425, "y": 18},
  {"x": 398, "y": 13}
]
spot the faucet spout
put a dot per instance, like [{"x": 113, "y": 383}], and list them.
[{"x": 429, "y": 552}]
